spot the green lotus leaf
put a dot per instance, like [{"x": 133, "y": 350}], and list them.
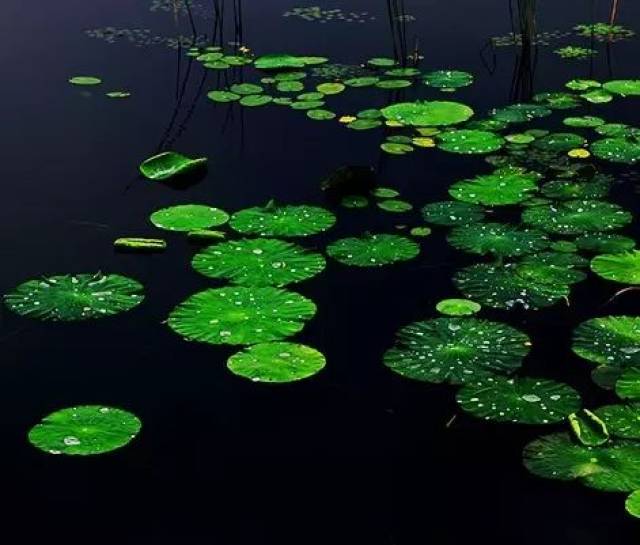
[
  {"x": 276, "y": 362},
  {"x": 497, "y": 239},
  {"x": 582, "y": 84},
  {"x": 85, "y": 80},
  {"x": 610, "y": 340},
  {"x": 586, "y": 121},
  {"x": 620, "y": 267},
  {"x": 282, "y": 221},
  {"x": 470, "y": 141},
  {"x": 136, "y": 244},
  {"x": 420, "y": 231},
  {"x": 624, "y": 87},
  {"x": 612, "y": 467},
  {"x": 456, "y": 350},
  {"x": 289, "y": 86},
  {"x": 85, "y": 430},
  {"x": 373, "y": 250},
  {"x": 69, "y": 298},
  {"x": 622, "y": 421},
  {"x": 331, "y": 88},
  {"x": 511, "y": 286},
  {"x": 394, "y": 205},
  {"x": 384, "y": 193},
  {"x": 307, "y": 104},
  {"x": 519, "y": 138},
  {"x": 312, "y": 61},
  {"x": 253, "y": 101},
  {"x": 458, "y": 307},
  {"x": 216, "y": 65},
  {"x": 597, "y": 96},
  {"x": 393, "y": 84},
  {"x": 283, "y": 101},
  {"x": 605, "y": 243},
  {"x": 381, "y": 62},
  {"x": 206, "y": 235},
  {"x": 310, "y": 97},
  {"x": 627, "y": 385},
  {"x": 241, "y": 315},
  {"x": 364, "y": 124},
  {"x": 402, "y": 72},
  {"x": 588, "y": 428},
  {"x": 632, "y": 504},
  {"x": 557, "y": 259},
  {"x": 289, "y": 76},
  {"x": 354, "y": 201},
  {"x": 519, "y": 400},
  {"x": 575, "y": 189},
  {"x": 563, "y": 246},
  {"x": 617, "y": 150},
  {"x": 560, "y": 142},
  {"x": 448, "y": 79},
  {"x": 503, "y": 187},
  {"x": 320, "y": 115},
  {"x": 246, "y": 89},
  {"x": 258, "y": 262},
  {"x": 236, "y": 60},
  {"x": 396, "y": 149},
  {"x": 188, "y": 217},
  {"x": 486, "y": 125},
  {"x": 614, "y": 130},
  {"x": 170, "y": 164},
  {"x": 575, "y": 52},
  {"x": 557, "y": 101},
  {"x": 367, "y": 81},
  {"x": 223, "y": 96},
  {"x": 520, "y": 113},
  {"x": 278, "y": 62},
  {"x": 576, "y": 217},
  {"x": 428, "y": 114},
  {"x": 552, "y": 268},
  {"x": 452, "y": 213},
  {"x": 372, "y": 113},
  {"x": 210, "y": 56},
  {"x": 118, "y": 94}
]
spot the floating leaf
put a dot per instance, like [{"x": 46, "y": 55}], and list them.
[
  {"x": 282, "y": 221},
  {"x": 118, "y": 94},
  {"x": 560, "y": 142},
  {"x": 617, "y": 150},
  {"x": 381, "y": 62},
  {"x": 520, "y": 113},
  {"x": 320, "y": 115},
  {"x": 582, "y": 84},
  {"x": 624, "y": 87},
  {"x": 420, "y": 231},
  {"x": 498, "y": 239},
  {"x": 332, "y": 88},
  {"x": 361, "y": 82},
  {"x": 448, "y": 79},
  {"x": 253, "y": 101},
  {"x": 393, "y": 84},
  {"x": 588, "y": 428},
  {"x": 276, "y": 362},
  {"x": 576, "y": 217},
  {"x": 85, "y": 80},
  {"x": 373, "y": 250},
  {"x": 520, "y": 400},
  {"x": 246, "y": 89},
  {"x": 241, "y": 315},
  {"x": 632, "y": 504},
  {"x": 628, "y": 384},
  {"x": 188, "y": 217},
  {"x": 456, "y": 350},
  {"x": 606, "y": 376},
  {"x": 396, "y": 149},
  {"x": 278, "y": 62},
  {"x": 290, "y": 86},
  {"x": 307, "y": 104},
  {"x": 511, "y": 285},
  {"x": 606, "y": 243},
  {"x": 557, "y": 101},
  {"x": 69, "y": 298},
  {"x": 586, "y": 121},
  {"x": 385, "y": 193},
  {"x": 364, "y": 124},
  {"x": 223, "y": 96},
  {"x": 470, "y": 141},
  {"x": 395, "y": 205},
  {"x": 354, "y": 201},
  {"x": 597, "y": 96},
  {"x": 519, "y": 138},
  {"x": 258, "y": 262},
  {"x": 458, "y": 307},
  {"x": 452, "y": 213},
  {"x": 170, "y": 164},
  {"x": 85, "y": 430},
  {"x": 611, "y": 340},
  {"x": 426, "y": 114},
  {"x": 574, "y": 189},
  {"x": 206, "y": 235},
  {"x": 141, "y": 244},
  {"x": 621, "y": 420},
  {"x": 502, "y": 187},
  {"x": 621, "y": 267}
]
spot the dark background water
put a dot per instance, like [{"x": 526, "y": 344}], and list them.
[{"x": 355, "y": 455}]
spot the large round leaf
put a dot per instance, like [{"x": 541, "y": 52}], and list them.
[
  {"x": 470, "y": 141},
  {"x": 428, "y": 114},
  {"x": 623, "y": 267},
  {"x": 77, "y": 297},
  {"x": 282, "y": 221},
  {"x": 621, "y": 420},
  {"x": 170, "y": 164},
  {"x": 188, "y": 217},
  {"x": 627, "y": 384},
  {"x": 498, "y": 239},
  {"x": 241, "y": 315},
  {"x": 503, "y": 187},
  {"x": 456, "y": 350},
  {"x": 624, "y": 87},
  {"x": 448, "y": 79},
  {"x": 617, "y": 150},
  {"x": 611, "y": 340},
  {"x": 452, "y": 213},
  {"x": 373, "y": 250}
]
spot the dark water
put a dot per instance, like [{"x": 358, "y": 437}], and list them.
[{"x": 355, "y": 455}]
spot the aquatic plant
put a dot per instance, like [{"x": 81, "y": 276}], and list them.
[
  {"x": 610, "y": 340},
  {"x": 372, "y": 250},
  {"x": 448, "y": 79},
  {"x": 470, "y": 141},
  {"x": 588, "y": 428},
  {"x": 627, "y": 385},
  {"x": 497, "y": 239},
  {"x": 428, "y": 114},
  {"x": 282, "y": 221},
  {"x": 575, "y": 52},
  {"x": 85, "y": 430},
  {"x": 85, "y": 80},
  {"x": 276, "y": 362},
  {"x": 241, "y": 315},
  {"x": 616, "y": 150},
  {"x": 604, "y": 31},
  {"x": 619, "y": 267},
  {"x": 169, "y": 164},
  {"x": 621, "y": 421},
  {"x": 136, "y": 244},
  {"x": 188, "y": 217},
  {"x": 458, "y": 307},
  {"x": 69, "y": 298},
  {"x": 605, "y": 243},
  {"x": 452, "y": 213},
  {"x": 504, "y": 186}
]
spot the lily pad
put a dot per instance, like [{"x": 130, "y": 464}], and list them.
[
  {"x": 497, "y": 239},
  {"x": 448, "y": 79},
  {"x": 381, "y": 62},
  {"x": 188, "y": 217},
  {"x": 510, "y": 286},
  {"x": 468, "y": 141},
  {"x": 617, "y": 150},
  {"x": 627, "y": 385},
  {"x": 136, "y": 244},
  {"x": 574, "y": 189},
  {"x": 170, "y": 164},
  {"x": 610, "y": 340},
  {"x": 223, "y": 96},
  {"x": 366, "y": 81},
  {"x": 560, "y": 142},
  {"x": 85, "y": 430},
  {"x": 395, "y": 205},
  {"x": 624, "y": 87},
  {"x": 282, "y": 221},
  {"x": 276, "y": 362},
  {"x": 622, "y": 421},
  {"x": 253, "y": 101},
  {"x": 258, "y": 262},
  {"x": 393, "y": 84},
  {"x": 632, "y": 504},
  {"x": 458, "y": 307},
  {"x": 520, "y": 113},
  {"x": 452, "y": 213},
  {"x": 354, "y": 201},
  {"x": 246, "y": 89},
  {"x": 69, "y": 298},
  {"x": 373, "y": 250},
  {"x": 612, "y": 467},
  {"x": 241, "y": 315},
  {"x": 290, "y": 86},
  {"x": 279, "y": 62},
  {"x": 620, "y": 267},
  {"x": 587, "y": 121},
  {"x": 456, "y": 350},
  {"x": 605, "y": 243},
  {"x": 576, "y": 217},
  {"x": 428, "y": 114},
  {"x": 85, "y": 80},
  {"x": 320, "y": 115},
  {"x": 331, "y": 88},
  {"x": 519, "y": 400},
  {"x": 395, "y": 148},
  {"x": 503, "y": 187}
]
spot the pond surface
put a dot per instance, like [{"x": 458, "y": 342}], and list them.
[{"x": 356, "y": 454}]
